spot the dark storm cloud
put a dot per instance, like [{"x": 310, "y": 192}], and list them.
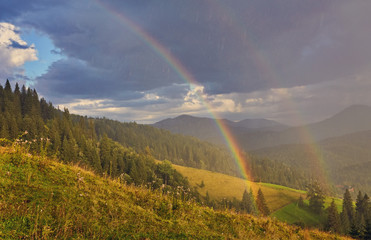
[
  {"x": 15, "y": 44},
  {"x": 229, "y": 46},
  {"x": 74, "y": 78}
]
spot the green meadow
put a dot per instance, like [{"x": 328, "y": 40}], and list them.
[
  {"x": 281, "y": 200},
  {"x": 44, "y": 199},
  {"x": 221, "y": 186}
]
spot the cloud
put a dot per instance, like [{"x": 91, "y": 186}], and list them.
[
  {"x": 14, "y": 52},
  {"x": 228, "y": 46},
  {"x": 250, "y": 58}
]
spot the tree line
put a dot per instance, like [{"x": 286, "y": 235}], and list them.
[
  {"x": 353, "y": 220},
  {"x": 40, "y": 128},
  {"x": 95, "y": 141},
  {"x": 249, "y": 203}
]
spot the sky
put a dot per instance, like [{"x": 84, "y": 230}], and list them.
[{"x": 293, "y": 61}]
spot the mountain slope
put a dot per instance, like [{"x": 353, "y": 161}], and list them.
[
  {"x": 345, "y": 159},
  {"x": 261, "y": 133},
  {"x": 207, "y": 129},
  {"x": 41, "y": 198}
]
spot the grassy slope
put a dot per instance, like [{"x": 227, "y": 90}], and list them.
[
  {"x": 223, "y": 186},
  {"x": 281, "y": 200},
  {"x": 41, "y": 198},
  {"x": 293, "y": 214}
]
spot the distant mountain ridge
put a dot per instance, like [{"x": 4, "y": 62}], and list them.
[
  {"x": 263, "y": 133},
  {"x": 207, "y": 128}
]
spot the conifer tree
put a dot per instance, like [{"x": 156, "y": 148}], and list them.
[
  {"x": 359, "y": 223},
  {"x": 316, "y": 197},
  {"x": 333, "y": 219},
  {"x": 105, "y": 153},
  {"x": 254, "y": 208},
  {"x": 248, "y": 204},
  {"x": 348, "y": 206},
  {"x": 261, "y": 203},
  {"x": 345, "y": 223},
  {"x": 245, "y": 203},
  {"x": 347, "y": 214}
]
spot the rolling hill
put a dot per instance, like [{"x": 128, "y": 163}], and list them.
[
  {"x": 282, "y": 201},
  {"x": 220, "y": 186},
  {"x": 43, "y": 199}
]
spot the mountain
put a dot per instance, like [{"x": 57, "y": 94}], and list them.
[
  {"x": 202, "y": 128},
  {"x": 260, "y": 124},
  {"x": 352, "y": 119},
  {"x": 45, "y": 199},
  {"x": 345, "y": 160},
  {"x": 254, "y": 134},
  {"x": 207, "y": 128},
  {"x": 355, "y": 118}
]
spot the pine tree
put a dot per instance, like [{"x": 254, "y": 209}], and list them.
[
  {"x": 345, "y": 223},
  {"x": 316, "y": 197},
  {"x": 359, "y": 222},
  {"x": 254, "y": 208},
  {"x": 261, "y": 203},
  {"x": 347, "y": 214},
  {"x": 105, "y": 153},
  {"x": 248, "y": 204},
  {"x": 348, "y": 205},
  {"x": 333, "y": 219},
  {"x": 245, "y": 203}
]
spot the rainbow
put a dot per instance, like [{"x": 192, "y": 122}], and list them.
[
  {"x": 240, "y": 158},
  {"x": 266, "y": 71}
]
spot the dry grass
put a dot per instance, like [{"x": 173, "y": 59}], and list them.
[
  {"x": 44, "y": 199},
  {"x": 222, "y": 186}
]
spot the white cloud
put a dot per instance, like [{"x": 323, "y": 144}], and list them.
[
  {"x": 293, "y": 106},
  {"x": 14, "y": 52}
]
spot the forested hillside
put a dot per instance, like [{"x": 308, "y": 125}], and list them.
[
  {"x": 345, "y": 160},
  {"x": 117, "y": 148},
  {"x": 42, "y": 129}
]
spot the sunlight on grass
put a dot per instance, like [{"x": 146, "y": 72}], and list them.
[{"x": 221, "y": 186}]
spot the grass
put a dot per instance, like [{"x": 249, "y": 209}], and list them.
[
  {"x": 221, "y": 186},
  {"x": 44, "y": 199},
  {"x": 293, "y": 214}
]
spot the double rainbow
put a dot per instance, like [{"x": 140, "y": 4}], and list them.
[
  {"x": 241, "y": 159},
  {"x": 238, "y": 155}
]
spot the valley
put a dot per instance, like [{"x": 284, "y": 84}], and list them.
[{"x": 67, "y": 165}]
